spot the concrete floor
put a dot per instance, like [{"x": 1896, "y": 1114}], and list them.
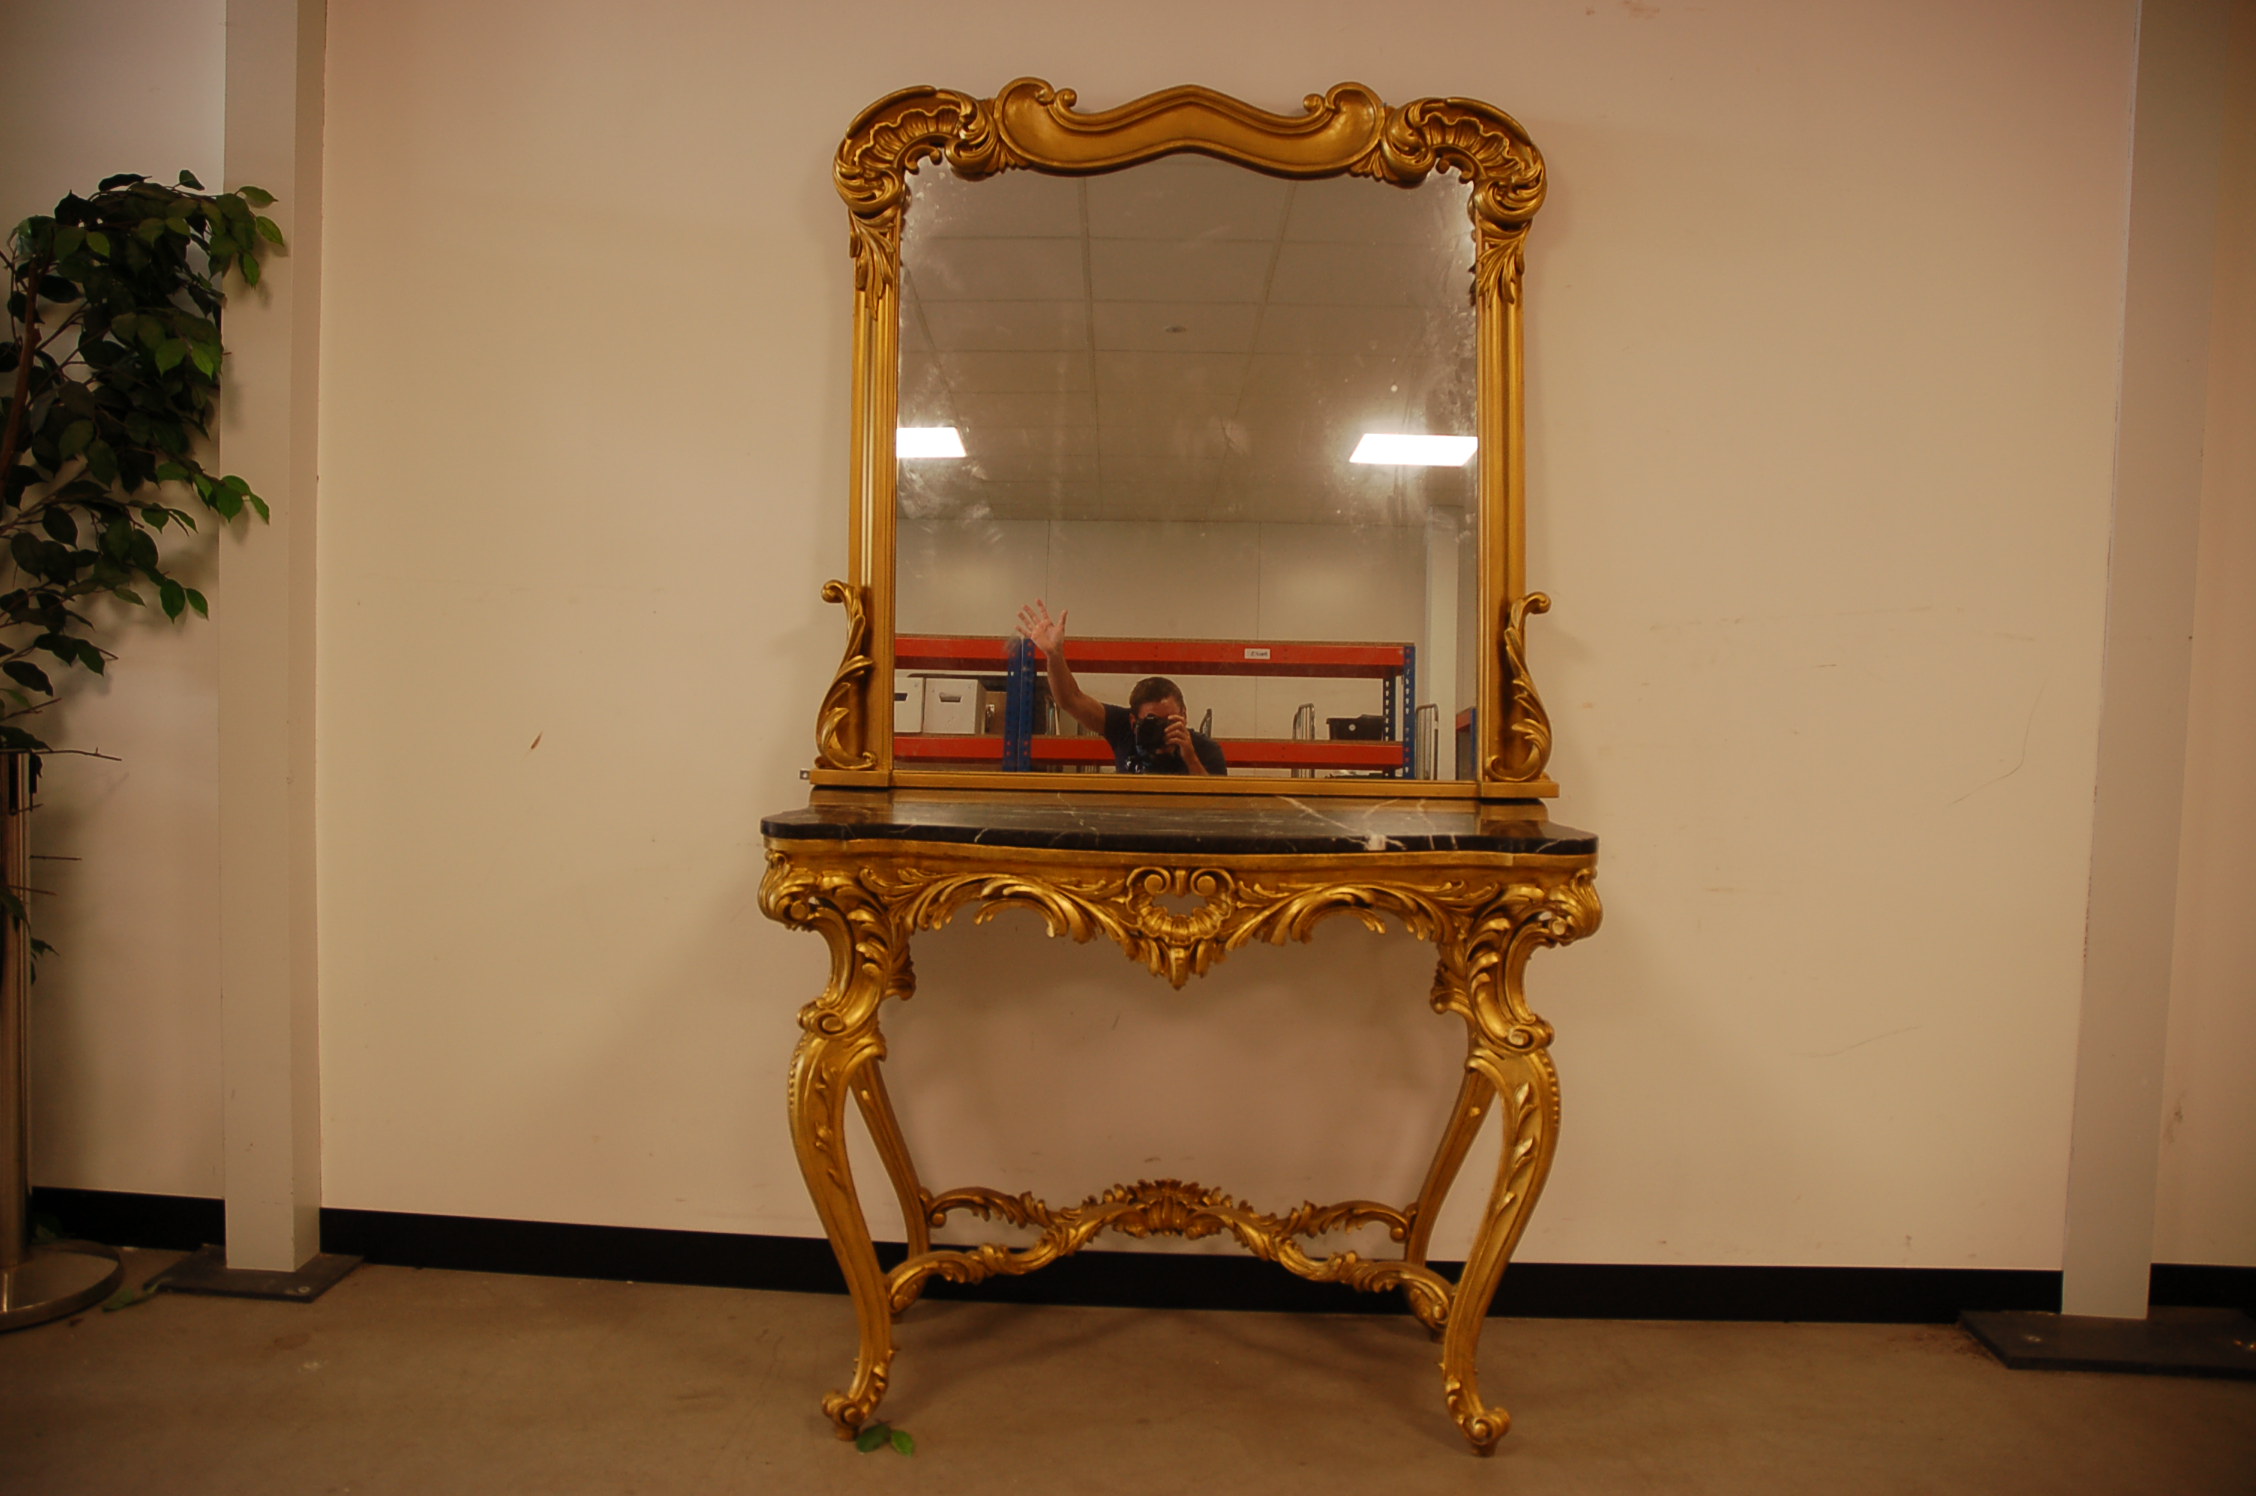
[{"x": 437, "y": 1382}]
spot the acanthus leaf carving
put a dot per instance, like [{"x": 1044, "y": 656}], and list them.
[
  {"x": 1526, "y": 747},
  {"x": 842, "y": 725}
]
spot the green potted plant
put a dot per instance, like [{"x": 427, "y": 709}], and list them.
[{"x": 109, "y": 377}]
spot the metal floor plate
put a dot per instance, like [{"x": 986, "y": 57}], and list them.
[{"x": 2168, "y": 1342}]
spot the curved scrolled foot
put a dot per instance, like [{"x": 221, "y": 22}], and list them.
[
  {"x": 1483, "y": 1426},
  {"x": 851, "y": 1409}
]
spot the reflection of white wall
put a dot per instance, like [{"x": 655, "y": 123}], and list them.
[
  {"x": 1447, "y": 544},
  {"x": 1163, "y": 580}
]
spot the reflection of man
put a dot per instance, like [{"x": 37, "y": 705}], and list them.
[{"x": 1150, "y": 735}]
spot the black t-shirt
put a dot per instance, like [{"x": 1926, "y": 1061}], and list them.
[{"x": 1120, "y": 733}]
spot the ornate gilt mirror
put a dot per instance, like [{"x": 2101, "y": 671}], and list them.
[{"x": 1235, "y": 394}]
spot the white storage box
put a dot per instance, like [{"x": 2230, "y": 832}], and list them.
[
  {"x": 951, "y": 704},
  {"x": 908, "y": 704}
]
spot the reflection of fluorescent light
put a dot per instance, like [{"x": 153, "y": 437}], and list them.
[
  {"x": 927, "y": 441},
  {"x": 1413, "y": 451}
]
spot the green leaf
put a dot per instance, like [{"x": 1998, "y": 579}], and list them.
[
  {"x": 68, "y": 239},
  {"x": 206, "y": 356},
  {"x": 196, "y": 601},
  {"x": 257, "y": 197},
  {"x": 250, "y": 271},
  {"x": 265, "y": 515},
  {"x": 75, "y": 437},
  {"x": 169, "y": 353},
  {"x": 25, "y": 673},
  {"x": 127, "y": 594},
  {"x": 126, "y": 1298},
  {"x": 172, "y": 597},
  {"x": 872, "y": 1439},
  {"x": 903, "y": 1442},
  {"x": 188, "y": 179},
  {"x": 270, "y": 231},
  {"x": 99, "y": 242},
  {"x": 122, "y": 179}
]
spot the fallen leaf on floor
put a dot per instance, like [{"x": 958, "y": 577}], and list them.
[
  {"x": 126, "y": 1298},
  {"x": 877, "y": 1435}
]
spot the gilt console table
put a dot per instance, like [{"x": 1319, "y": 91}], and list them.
[{"x": 1485, "y": 883}]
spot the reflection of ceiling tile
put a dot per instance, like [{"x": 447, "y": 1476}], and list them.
[
  {"x": 1176, "y": 327},
  {"x": 1065, "y": 411},
  {"x": 991, "y": 326},
  {"x": 1178, "y": 270},
  {"x": 1394, "y": 331},
  {"x": 914, "y": 339},
  {"x": 1000, "y": 270},
  {"x": 1155, "y": 200},
  {"x": 1016, "y": 371},
  {"x": 1350, "y": 210},
  {"x": 1309, "y": 312},
  {"x": 1159, "y": 501},
  {"x": 1370, "y": 274},
  {"x": 1054, "y": 469},
  {"x": 1127, "y": 374},
  {"x": 1163, "y": 439},
  {"x": 1017, "y": 204},
  {"x": 984, "y": 443},
  {"x": 925, "y": 399},
  {"x": 1298, "y": 389},
  {"x": 973, "y": 501}
]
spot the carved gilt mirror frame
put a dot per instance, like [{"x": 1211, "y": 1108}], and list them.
[{"x": 1346, "y": 131}]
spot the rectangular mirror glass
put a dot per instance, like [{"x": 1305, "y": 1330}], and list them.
[{"x": 1157, "y": 403}]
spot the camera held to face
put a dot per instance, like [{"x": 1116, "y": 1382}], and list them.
[{"x": 1151, "y": 739}]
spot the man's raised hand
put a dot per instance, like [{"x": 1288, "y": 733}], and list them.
[{"x": 1035, "y": 623}]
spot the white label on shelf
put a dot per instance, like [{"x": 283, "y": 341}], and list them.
[{"x": 1256, "y": 654}]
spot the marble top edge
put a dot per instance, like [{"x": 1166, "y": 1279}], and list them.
[{"x": 1129, "y": 823}]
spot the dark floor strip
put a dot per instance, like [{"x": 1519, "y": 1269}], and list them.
[{"x": 1129, "y": 1279}]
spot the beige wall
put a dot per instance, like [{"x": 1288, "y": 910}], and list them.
[
  {"x": 1824, "y": 315},
  {"x": 1822, "y": 346}
]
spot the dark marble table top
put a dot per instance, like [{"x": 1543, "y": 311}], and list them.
[{"x": 1249, "y": 825}]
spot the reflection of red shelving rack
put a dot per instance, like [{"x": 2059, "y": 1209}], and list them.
[{"x": 1392, "y": 665}]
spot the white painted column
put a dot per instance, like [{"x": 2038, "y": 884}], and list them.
[
  {"x": 2175, "y": 151},
  {"x": 263, "y": 609}
]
